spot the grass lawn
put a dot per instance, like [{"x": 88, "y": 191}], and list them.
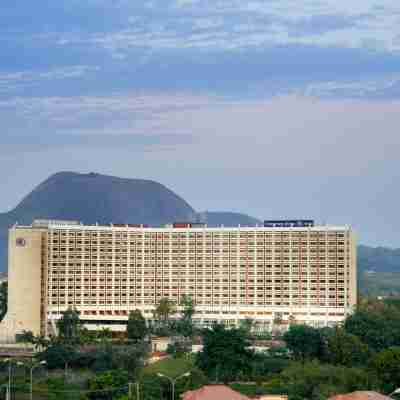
[{"x": 172, "y": 367}]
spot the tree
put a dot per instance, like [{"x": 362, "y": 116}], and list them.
[
  {"x": 247, "y": 325},
  {"x": 3, "y": 299},
  {"x": 188, "y": 307},
  {"x": 154, "y": 387},
  {"x": 194, "y": 381},
  {"x": 226, "y": 355},
  {"x": 376, "y": 324},
  {"x": 69, "y": 326},
  {"x": 86, "y": 336},
  {"x": 109, "y": 384},
  {"x": 264, "y": 367},
  {"x": 343, "y": 348},
  {"x": 136, "y": 328},
  {"x": 59, "y": 355},
  {"x": 304, "y": 341},
  {"x": 58, "y": 389},
  {"x": 386, "y": 365},
  {"x": 129, "y": 358},
  {"x": 104, "y": 358},
  {"x": 315, "y": 381},
  {"x": 185, "y": 325},
  {"x": 179, "y": 348},
  {"x": 162, "y": 314},
  {"x": 164, "y": 310}
]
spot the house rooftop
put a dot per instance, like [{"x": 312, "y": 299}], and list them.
[
  {"x": 214, "y": 392},
  {"x": 361, "y": 395}
]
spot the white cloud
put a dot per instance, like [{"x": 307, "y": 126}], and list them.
[
  {"x": 289, "y": 133},
  {"x": 265, "y": 23},
  {"x": 10, "y": 81},
  {"x": 367, "y": 88}
]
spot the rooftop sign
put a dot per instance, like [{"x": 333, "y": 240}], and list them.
[{"x": 289, "y": 223}]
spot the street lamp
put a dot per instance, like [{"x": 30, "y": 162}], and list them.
[
  {"x": 32, "y": 365},
  {"x": 396, "y": 391},
  {"x": 130, "y": 390},
  {"x": 8, "y": 390},
  {"x": 173, "y": 381}
]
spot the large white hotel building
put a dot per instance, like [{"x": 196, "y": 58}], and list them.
[{"x": 283, "y": 272}]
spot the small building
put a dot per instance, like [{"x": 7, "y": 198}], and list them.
[
  {"x": 214, "y": 392},
  {"x": 160, "y": 344}
]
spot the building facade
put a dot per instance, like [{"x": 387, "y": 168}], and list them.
[{"x": 274, "y": 275}]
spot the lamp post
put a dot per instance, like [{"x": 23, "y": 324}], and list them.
[
  {"x": 130, "y": 390},
  {"x": 173, "y": 381},
  {"x": 8, "y": 390},
  {"x": 8, "y": 395},
  {"x": 32, "y": 365}
]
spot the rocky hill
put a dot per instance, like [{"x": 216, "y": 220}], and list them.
[{"x": 92, "y": 198}]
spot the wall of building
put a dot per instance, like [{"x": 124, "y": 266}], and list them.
[
  {"x": 275, "y": 276},
  {"x": 24, "y": 284},
  {"x": 353, "y": 290},
  {"x": 302, "y": 274}
]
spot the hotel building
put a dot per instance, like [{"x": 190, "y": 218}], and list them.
[{"x": 284, "y": 272}]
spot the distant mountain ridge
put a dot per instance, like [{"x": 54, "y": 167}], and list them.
[
  {"x": 95, "y": 198},
  {"x": 378, "y": 259},
  {"x": 92, "y": 198}
]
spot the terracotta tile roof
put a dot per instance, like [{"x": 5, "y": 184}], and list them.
[
  {"x": 361, "y": 395},
  {"x": 214, "y": 392}
]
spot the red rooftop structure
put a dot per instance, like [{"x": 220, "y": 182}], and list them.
[
  {"x": 214, "y": 392},
  {"x": 361, "y": 395}
]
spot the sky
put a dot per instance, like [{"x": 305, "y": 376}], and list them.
[{"x": 277, "y": 109}]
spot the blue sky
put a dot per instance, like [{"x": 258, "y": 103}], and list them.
[{"x": 274, "y": 108}]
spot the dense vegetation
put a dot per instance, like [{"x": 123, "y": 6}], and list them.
[{"x": 363, "y": 354}]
